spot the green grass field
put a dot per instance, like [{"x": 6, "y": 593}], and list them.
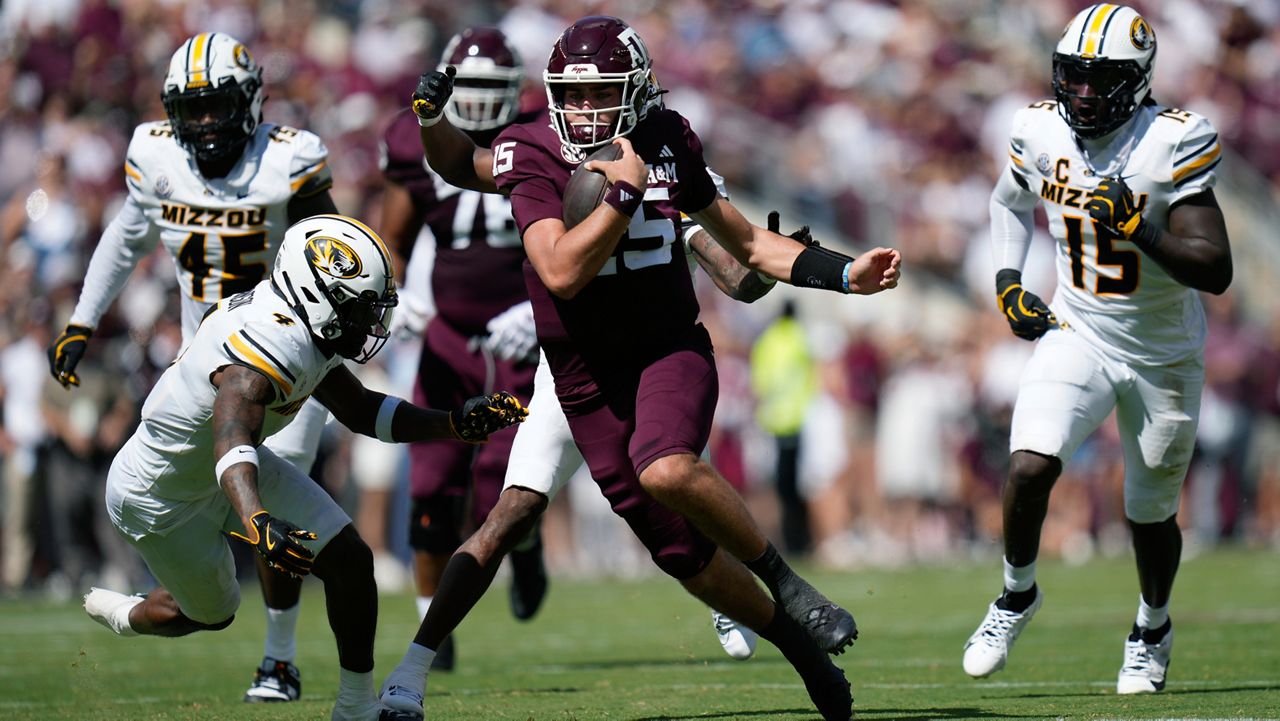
[{"x": 644, "y": 650}]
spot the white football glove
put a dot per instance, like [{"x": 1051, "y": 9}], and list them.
[
  {"x": 512, "y": 334},
  {"x": 411, "y": 316}
]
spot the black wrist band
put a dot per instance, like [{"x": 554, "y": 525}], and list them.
[
  {"x": 820, "y": 268},
  {"x": 624, "y": 198}
]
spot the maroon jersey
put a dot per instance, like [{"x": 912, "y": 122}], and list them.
[
  {"x": 643, "y": 297},
  {"x": 477, "y": 272}
]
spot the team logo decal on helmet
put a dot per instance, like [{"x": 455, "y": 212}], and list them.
[
  {"x": 333, "y": 257},
  {"x": 242, "y": 57},
  {"x": 1141, "y": 34}
]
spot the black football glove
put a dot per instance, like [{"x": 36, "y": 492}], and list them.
[
  {"x": 65, "y": 353},
  {"x": 1113, "y": 206},
  {"x": 432, "y": 94},
  {"x": 801, "y": 235},
  {"x": 279, "y": 542},
  {"x": 1028, "y": 316},
  {"x": 483, "y": 416}
]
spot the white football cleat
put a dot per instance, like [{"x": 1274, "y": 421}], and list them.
[
  {"x": 987, "y": 649},
  {"x": 737, "y": 640},
  {"x": 111, "y": 609},
  {"x": 1145, "y": 664}
]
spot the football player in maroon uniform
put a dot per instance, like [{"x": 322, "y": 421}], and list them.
[
  {"x": 482, "y": 335},
  {"x": 617, "y": 318}
]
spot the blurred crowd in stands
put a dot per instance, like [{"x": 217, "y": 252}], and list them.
[{"x": 877, "y": 122}]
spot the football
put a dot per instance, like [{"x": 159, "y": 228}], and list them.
[{"x": 587, "y": 188}]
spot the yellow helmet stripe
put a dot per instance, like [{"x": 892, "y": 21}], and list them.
[
  {"x": 1093, "y": 38},
  {"x": 199, "y": 76}
]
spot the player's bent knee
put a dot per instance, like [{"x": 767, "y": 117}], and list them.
[
  {"x": 667, "y": 476},
  {"x": 1033, "y": 471},
  {"x": 346, "y": 554},
  {"x": 682, "y": 566},
  {"x": 1151, "y": 511}
]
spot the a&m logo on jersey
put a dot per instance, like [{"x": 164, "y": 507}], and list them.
[
  {"x": 1141, "y": 34},
  {"x": 333, "y": 257}
]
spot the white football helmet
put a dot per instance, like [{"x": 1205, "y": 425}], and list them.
[
  {"x": 337, "y": 275},
  {"x": 213, "y": 95},
  {"x": 1102, "y": 68}
]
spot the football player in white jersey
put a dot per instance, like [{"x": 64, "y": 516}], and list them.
[
  {"x": 195, "y": 468},
  {"x": 1127, "y": 185},
  {"x": 218, "y": 186}
]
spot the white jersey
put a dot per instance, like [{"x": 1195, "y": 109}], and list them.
[
  {"x": 223, "y": 233},
  {"x": 1106, "y": 286},
  {"x": 170, "y": 458}
]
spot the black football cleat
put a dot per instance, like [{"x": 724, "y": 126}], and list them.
[
  {"x": 528, "y": 581},
  {"x": 389, "y": 714},
  {"x": 829, "y": 690},
  {"x": 446, "y": 655},
  {"x": 830, "y": 626},
  {"x": 274, "y": 682}
]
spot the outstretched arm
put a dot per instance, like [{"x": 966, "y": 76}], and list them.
[
  {"x": 785, "y": 259},
  {"x": 393, "y": 420}
]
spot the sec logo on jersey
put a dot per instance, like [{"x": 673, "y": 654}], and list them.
[{"x": 333, "y": 257}]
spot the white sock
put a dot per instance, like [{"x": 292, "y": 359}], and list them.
[
  {"x": 1019, "y": 578},
  {"x": 1151, "y": 618},
  {"x": 424, "y": 602},
  {"x": 111, "y": 609},
  {"x": 413, "y": 668},
  {"x": 355, "y": 689},
  {"x": 282, "y": 639}
]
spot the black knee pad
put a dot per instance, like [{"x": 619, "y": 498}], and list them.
[
  {"x": 435, "y": 524},
  {"x": 687, "y": 562}
]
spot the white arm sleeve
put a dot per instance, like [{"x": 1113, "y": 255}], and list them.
[
  {"x": 1012, "y": 221},
  {"x": 127, "y": 240}
]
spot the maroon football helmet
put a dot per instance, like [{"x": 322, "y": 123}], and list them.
[
  {"x": 599, "y": 49},
  {"x": 486, "y": 90}
]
